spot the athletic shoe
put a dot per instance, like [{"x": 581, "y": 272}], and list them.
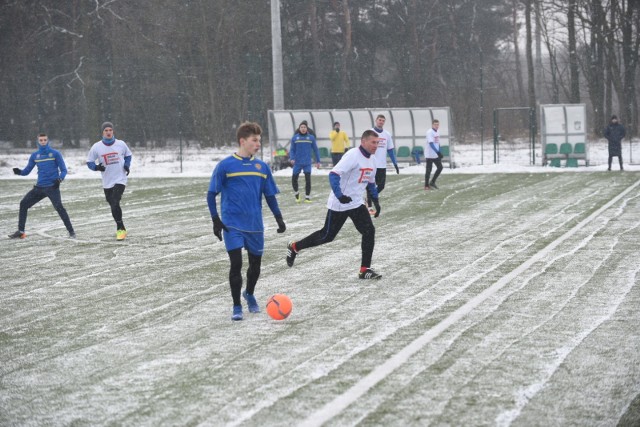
[
  {"x": 251, "y": 302},
  {"x": 121, "y": 234},
  {"x": 72, "y": 234},
  {"x": 372, "y": 211},
  {"x": 307, "y": 200},
  {"x": 369, "y": 274},
  {"x": 18, "y": 235},
  {"x": 433, "y": 184},
  {"x": 237, "y": 313},
  {"x": 291, "y": 254},
  {"x": 297, "y": 198}
]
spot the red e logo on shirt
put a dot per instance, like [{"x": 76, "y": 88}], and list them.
[{"x": 365, "y": 175}]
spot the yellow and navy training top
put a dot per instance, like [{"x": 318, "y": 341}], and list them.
[{"x": 242, "y": 181}]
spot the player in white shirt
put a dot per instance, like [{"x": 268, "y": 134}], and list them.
[
  {"x": 433, "y": 155},
  {"x": 385, "y": 147},
  {"x": 112, "y": 157},
  {"x": 349, "y": 178}
]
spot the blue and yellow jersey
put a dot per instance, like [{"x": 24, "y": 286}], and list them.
[
  {"x": 242, "y": 182},
  {"x": 302, "y": 147},
  {"x": 50, "y": 165}
]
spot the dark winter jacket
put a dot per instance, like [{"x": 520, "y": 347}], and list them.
[{"x": 614, "y": 134}]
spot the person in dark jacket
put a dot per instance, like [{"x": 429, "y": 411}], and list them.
[
  {"x": 51, "y": 172},
  {"x": 614, "y": 134}
]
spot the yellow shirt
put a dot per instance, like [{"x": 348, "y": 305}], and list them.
[{"x": 339, "y": 141}]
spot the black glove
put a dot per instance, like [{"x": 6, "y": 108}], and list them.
[
  {"x": 56, "y": 183},
  {"x": 218, "y": 226},
  {"x": 376, "y": 203},
  {"x": 126, "y": 169},
  {"x": 440, "y": 155},
  {"x": 344, "y": 199},
  {"x": 281, "y": 225},
  {"x": 397, "y": 170},
  {"x": 17, "y": 171},
  {"x": 100, "y": 167}
]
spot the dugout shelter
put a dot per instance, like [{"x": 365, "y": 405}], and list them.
[
  {"x": 408, "y": 127},
  {"x": 563, "y": 131}
]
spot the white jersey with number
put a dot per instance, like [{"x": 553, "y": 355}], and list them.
[
  {"x": 385, "y": 143},
  {"x": 112, "y": 157},
  {"x": 432, "y": 136},
  {"x": 356, "y": 171}
]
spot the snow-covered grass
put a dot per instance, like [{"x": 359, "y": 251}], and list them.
[
  {"x": 506, "y": 299},
  {"x": 512, "y": 157}
]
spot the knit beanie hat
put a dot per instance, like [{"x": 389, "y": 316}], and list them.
[{"x": 106, "y": 125}]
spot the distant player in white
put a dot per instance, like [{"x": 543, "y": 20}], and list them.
[
  {"x": 385, "y": 146},
  {"x": 349, "y": 178},
  {"x": 433, "y": 155},
  {"x": 112, "y": 157}
]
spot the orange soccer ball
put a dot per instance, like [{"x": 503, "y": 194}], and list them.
[{"x": 279, "y": 306}]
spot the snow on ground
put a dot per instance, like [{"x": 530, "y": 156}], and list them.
[{"x": 469, "y": 158}]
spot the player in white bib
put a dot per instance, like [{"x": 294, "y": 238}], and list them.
[
  {"x": 349, "y": 178},
  {"x": 112, "y": 158},
  {"x": 385, "y": 147},
  {"x": 433, "y": 155}
]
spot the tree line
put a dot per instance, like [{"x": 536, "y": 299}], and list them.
[{"x": 163, "y": 70}]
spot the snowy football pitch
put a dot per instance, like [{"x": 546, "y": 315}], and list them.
[{"x": 506, "y": 299}]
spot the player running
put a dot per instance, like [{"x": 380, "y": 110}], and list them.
[
  {"x": 349, "y": 178},
  {"x": 242, "y": 179},
  {"x": 113, "y": 161}
]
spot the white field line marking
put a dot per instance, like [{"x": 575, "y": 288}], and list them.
[{"x": 341, "y": 402}]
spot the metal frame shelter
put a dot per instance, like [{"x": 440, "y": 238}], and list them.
[
  {"x": 408, "y": 127},
  {"x": 564, "y": 126}
]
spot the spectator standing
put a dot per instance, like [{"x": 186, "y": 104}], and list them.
[
  {"x": 339, "y": 143},
  {"x": 614, "y": 133}
]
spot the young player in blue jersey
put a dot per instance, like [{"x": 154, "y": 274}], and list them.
[
  {"x": 349, "y": 178},
  {"x": 242, "y": 180},
  {"x": 303, "y": 144},
  {"x": 51, "y": 172},
  {"x": 433, "y": 156},
  {"x": 385, "y": 148}
]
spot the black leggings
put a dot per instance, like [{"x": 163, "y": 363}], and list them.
[
  {"x": 307, "y": 183},
  {"x": 113, "y": 196},
  {"x": 332, "y": 225},
  {"x": 430, "y": 163},
  {"x": 235, "y": 273}
]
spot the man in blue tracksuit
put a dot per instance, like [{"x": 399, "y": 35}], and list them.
[
  {"x": 51, "y": 172},
  {"x": 302, "y": 145}
]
